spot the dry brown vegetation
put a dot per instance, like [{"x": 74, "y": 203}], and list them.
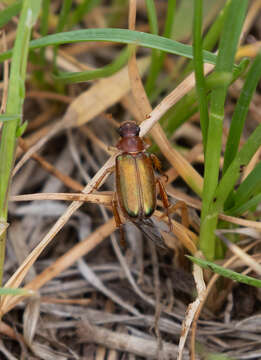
[{"x": 94, "y": 299}]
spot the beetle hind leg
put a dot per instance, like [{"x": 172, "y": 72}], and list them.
[{"x": 184, "y": 212}]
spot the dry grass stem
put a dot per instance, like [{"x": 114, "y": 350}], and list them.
[
  {"x": 123, "y": 342},
  {"x": 59, "y": 265},
  {"x": 98, "y": 198},
  {"x": 193, "y": 308},
  {"x": 66, "y": 180},
  {"x": 210, "y": 286},
  {"x": 94, "y": 298},
  {"x": 247, "y": 259}
]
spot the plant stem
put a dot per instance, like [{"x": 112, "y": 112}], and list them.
[
  {"x": 158, "y": 57},
  {"x": 227, "y": 49},
  {"x": 16, "y": 92},
  {"x": 199, "y": 70}
]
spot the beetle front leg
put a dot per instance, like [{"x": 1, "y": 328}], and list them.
[
  {"x": 117, "y": 219},
  {"x": 106, "y": 172},
  {"x": 165, "y": 201}
]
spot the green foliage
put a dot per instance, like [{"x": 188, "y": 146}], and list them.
[
  {"x": 226, "y": 272},
  {"x": 15, "y": 292},
  {"x": 223, "y": 71},
  {"x": 117, "y": 35},
  {"x": 199, "y": 70},
  {"x": 108, "y": 70},
  {"x": 240, "y": 113},
  {"x": 16, "y": 94},
  {"x": 209, "y": 95},
  {"x": 7, "y": 14}
]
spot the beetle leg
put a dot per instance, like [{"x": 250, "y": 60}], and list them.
[
  {"x": 157, "y": 165},
  {"x": 165, "y": 201},
  {"x": 118, "y": 219},
  {"x": 184, "y": 212},
  {"x": 106, "y": 172}
]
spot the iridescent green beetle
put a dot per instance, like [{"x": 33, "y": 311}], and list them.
[{"x": 136, "y": 182}]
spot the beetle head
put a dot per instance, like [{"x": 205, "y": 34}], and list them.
[{"x": 128, "y": 129}]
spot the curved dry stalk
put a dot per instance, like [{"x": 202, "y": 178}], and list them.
[{"x": 193, "y": 307}]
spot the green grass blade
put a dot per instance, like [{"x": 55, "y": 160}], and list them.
[
  {"x": 44, "y": 17},
  {"x": 123, "y": 36},
  {"x": 169, "y": 23},
  {"x": 214, "y": 32},
  {"x": 152, "y": 74},
  {"x": 158, "y": 58},
  {"x": 249, "y": 187},
  {"x": 211, "y": 36},
  {"x": 7, "y": 14},
  {"x": 108, "y": 70},
  {"x": 16, "y": 93},
  {"x": 152, "y": 15},
  {"x": 226, "y": 272},
  {"x": 157, "y": 63},
  {"x": 63, "y": 16},
  {"x": 232, "y": 174},
  {"x": 227, "y": 50},
  {"x": 228, "y": 182},
  {"x": 82, "y": 9},
  {"x": 187, "y": 106},
  {"x": 16, "y": 292},
  {"x": 248, "y": 205},
  {"x": 241, "y": 110},
  {"x": 44, "y": 23},
  {"x": 199, "y": 70},
  {"x": 4, "y": 117}
]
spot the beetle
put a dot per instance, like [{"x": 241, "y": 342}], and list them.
[{"x": 136, "y": 183}]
